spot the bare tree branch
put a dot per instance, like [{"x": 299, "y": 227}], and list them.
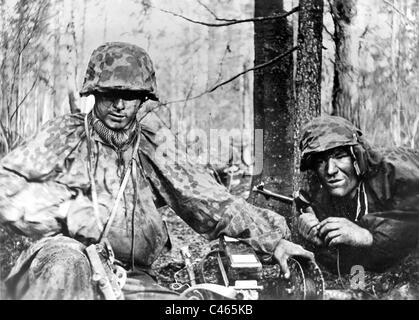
[
  {"x": 208, "y": 9},
  {"x": 406, "y": 18},
  {"x": 188, "y": 96},
  {"x": 24, "y": 98},
  {"x": 261, "y": 66},
  {"x": 212, "y": 13},
  {"x": 220, "y": 66},
  {"x": 232, "y": 21}
]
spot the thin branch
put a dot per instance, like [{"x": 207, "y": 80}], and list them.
[
  {"x": 233, "y": 21},
  {"x": 261, "y": 66},
  {"x": 220, "y": 66},
  {"x": 406, "y": 18},
  {"x": 213, "y": 14},
  {"x": 24, "y": 98},
  {"x": 210, "y": 11},
  {"x": 188, "y": 96}
]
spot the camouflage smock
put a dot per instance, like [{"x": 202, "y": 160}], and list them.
[
  {"x": 387, "y": 200},
  {"x": 45, "y": 190}
]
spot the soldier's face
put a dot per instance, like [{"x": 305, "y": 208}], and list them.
[
  {"x": 117, "y": 112},
  {"x": 336, "y": 171}
]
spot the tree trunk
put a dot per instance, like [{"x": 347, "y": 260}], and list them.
[
  {"x": 273, "y": 107},
  {"x": 308, "y": 77}
]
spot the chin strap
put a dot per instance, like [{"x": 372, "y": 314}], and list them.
[
  {"x": 356, "y": 164},
  {"x": 362, "y": 195}
]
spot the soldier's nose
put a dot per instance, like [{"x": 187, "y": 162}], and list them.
[
  {"x": 331, "y": 168},
  {"x": 119, "y": 105}
]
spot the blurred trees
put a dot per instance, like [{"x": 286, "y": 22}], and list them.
[
  {"x": 201, "y": 58},
  {"x": 22, "y": 52},
  {"x": 39, "y": 65},
  {"x": 376, "y": 69},
  {"x": 370, "y": 69}
]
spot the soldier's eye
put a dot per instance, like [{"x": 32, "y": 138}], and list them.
[
  {"x": 319, "y": 162},
  {"x": 340, "y": 154},
  {"x": 129, "y": 97}
]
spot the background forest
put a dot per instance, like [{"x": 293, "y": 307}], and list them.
[
  {"x": 45, "y": 45},
  {"x": 370, "y": 69}
]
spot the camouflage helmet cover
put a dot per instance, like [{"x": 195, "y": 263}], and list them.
[
  {"x": 324, "y": 133},
  {"x": 120, "y": 66}
]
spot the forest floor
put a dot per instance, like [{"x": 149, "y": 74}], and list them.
[{"x": 400, "y": 282}]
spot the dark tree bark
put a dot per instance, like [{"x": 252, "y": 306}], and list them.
[
  {"x": 273, "y": 107},
  {"x": 308, "y": 77},
  {"x": 276, "y": 112}
]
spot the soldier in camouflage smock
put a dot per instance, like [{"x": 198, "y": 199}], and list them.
[
  {"x": 366, "y": 211},
  {"x": 48, "y": 188}
]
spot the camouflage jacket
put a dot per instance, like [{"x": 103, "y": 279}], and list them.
[
  {"x": 45, "y": 190},
  {"x": 388, "y": 196}
]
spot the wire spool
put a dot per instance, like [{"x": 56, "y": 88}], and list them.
[
  {"x": 314, "y": 286},
  {"x": 305, "y": 283}
]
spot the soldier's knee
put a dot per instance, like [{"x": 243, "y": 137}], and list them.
[
  {"x": 63, "y": 256},
  {"x": 56, "y": 268}
]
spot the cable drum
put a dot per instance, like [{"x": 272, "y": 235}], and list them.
[{"x": 305, "y": 283}]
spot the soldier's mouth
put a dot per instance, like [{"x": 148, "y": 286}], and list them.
[
  {"x": 116, "y": 116},
  {"x": 335, "y": 182}
]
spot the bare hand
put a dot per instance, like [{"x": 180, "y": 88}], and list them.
[
  {"x": 287, "y": 249},
  {"x": 308, "y": 227},
  {"x": 342, "y": 231}
]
